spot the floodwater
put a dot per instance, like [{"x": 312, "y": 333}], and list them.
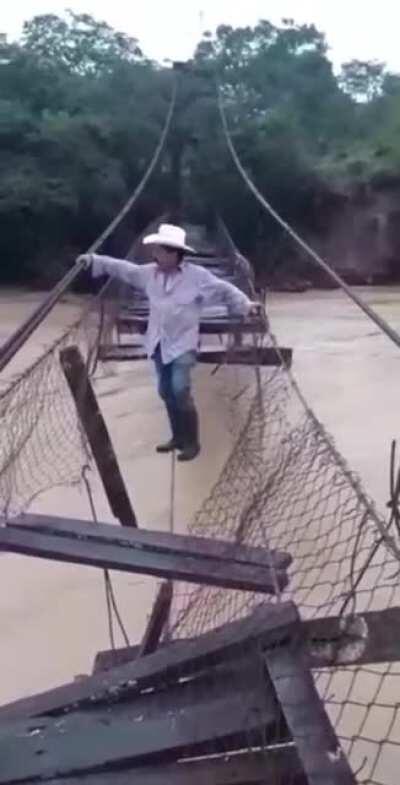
[{"x": 53, "y": 618}]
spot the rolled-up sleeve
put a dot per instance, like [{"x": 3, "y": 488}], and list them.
[
  {"x": 213, "y": 290},
  {"x": 135, "y": 275}
]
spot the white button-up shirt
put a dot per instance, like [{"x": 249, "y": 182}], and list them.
[{"x": 176, "y": 300}]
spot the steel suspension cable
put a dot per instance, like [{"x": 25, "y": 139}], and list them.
[{"x": 12, "y": 345}]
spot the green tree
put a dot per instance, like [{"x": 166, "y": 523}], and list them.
[
  {"x": 362, "y": 79},
  {"x": 82, "y": 108},
  {"x": 78, "y": 42},
  {"x": 80, "y": 115}
]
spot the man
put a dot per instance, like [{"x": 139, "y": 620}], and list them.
[{"x": 177, "y": 290}]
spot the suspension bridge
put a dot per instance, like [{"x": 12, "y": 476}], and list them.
[{"x": 271, "y": 649}]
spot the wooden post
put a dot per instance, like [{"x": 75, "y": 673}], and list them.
[
  {"x": 105, "y": 660},
  {"x": 97, "y": 434},
  {"x": 320, "y": 754},
  {"x": 158, "y": 619}
]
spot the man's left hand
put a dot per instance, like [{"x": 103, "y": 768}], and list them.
[{"x": 256, "y": 309}]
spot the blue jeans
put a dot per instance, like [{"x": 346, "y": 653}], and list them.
[{"x": 174, "y": 387}]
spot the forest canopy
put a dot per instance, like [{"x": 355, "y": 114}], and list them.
[{"x": 82, "y": 109}]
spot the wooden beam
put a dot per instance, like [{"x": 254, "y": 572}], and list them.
[
  {"x": 94, "y": 425},
  {"x": 92, "y": 745},
  {"x": 372, "y": 638},
  {"x": 189, "y": 719},
  {"x": 111, "y": 658},
  {"x": 266, "y": 355},
  {"x": 158, "y": 619},
  {"x": 246, "y": 355},
  {"x": 268, "y": 625},
  {"x": 98, "y": 552},
  {"x": 208, "y": 326},
  {"x": 159, "y": 540},
  {"x": 122, "y": 353},
  {"x": 266, "y": 767},
  {"x": 367, "y": 639},
  {"x": 320, "y": 754}
]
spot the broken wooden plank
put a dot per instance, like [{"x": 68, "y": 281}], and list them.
[
  {"x": 245, "y": 355},
  {"x": 269, "y": 624},
  {"x": 93, "y": 424},
  {"x": 162, "y": 541},
  {"x": 158, "y": 619},
  {"x": 107, "y": 659},
  {"x": 208, "y": 325},
  {"x": 100, "y": 553},
  {"x": 371, "y": 638},
  {"x": 93, "y": 745},
  {"x": 320, "y": 754},
  {"x": 121, "y": 353},
  {"x": 218, "y": 711},
  {"x": 266, "y": 767},
  {"x": 367, "y": 639}
]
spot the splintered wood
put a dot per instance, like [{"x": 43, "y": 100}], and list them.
[{"x": 210, "y": 698}]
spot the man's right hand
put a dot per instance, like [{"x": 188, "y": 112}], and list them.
[{"x": 86, "y": 259}]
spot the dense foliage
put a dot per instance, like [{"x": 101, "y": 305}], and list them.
[{"x": 81, "y": 110}]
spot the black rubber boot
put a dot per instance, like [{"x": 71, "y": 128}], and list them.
[
  {"x": 176, "y": 442},
  {"x": 168, "y": 446},
  {"x": 191, "y": 447}
]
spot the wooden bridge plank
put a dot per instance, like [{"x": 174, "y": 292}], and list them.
[
  {"x": 208, "y": 325},
  {"x": 107, "y": 659},
  {"x": 121, "y": 353},
  {"x": 372, "y": 638},
  {"x": 267, "y": 625},
  {"x": 265, "y": 356},
  {"x": 268, "y": 767},
  {"x": 367, "y": 639},
  {"x": 94, "y": 425},
  {"x": 319, "y": 751},
  {"x": 246, "y": 355},
  {"x": 98, "y": 552},
  {"x": 163, "y": 541},
  {"x": 191, "y": 719}
]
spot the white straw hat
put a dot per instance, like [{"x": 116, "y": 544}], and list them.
[{"x": 171, "y": 236}]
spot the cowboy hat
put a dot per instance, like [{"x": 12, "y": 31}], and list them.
[{"x": 171, "y": 236}]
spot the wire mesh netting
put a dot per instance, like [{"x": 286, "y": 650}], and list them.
[
  {"x": 42, "y": 444},
  {"x": 285, "y": 487}
]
